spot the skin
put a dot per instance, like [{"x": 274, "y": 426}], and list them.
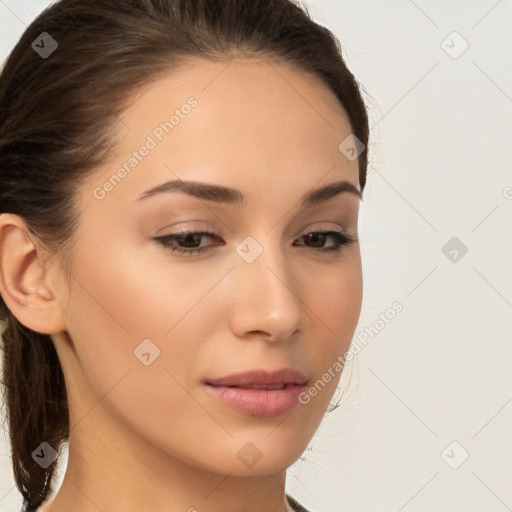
[{"x": 150, "y": 437}]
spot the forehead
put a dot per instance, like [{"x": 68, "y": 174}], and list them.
[
  {"x": 252, "y": 80},
  {"x": 235, "y": 122}
]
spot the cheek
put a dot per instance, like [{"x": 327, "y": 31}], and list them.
[
  {"x": 118, "y": 304},
  {"x": 136, "y": 295},
  {"x": 335, "y": 297},
  {"x": 121, "y": 300}
]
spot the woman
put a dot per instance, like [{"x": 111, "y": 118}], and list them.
[{"x": 179, "y": 263}]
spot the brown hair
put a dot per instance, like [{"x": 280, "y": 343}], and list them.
[{"x": 56, "y": 117}]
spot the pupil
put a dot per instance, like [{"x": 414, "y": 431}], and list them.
[
  {"x": 315, "y": 237},
  {"x": 189, "y": 239}
]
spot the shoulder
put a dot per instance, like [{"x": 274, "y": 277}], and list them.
[{"x": 295, "y": 505}]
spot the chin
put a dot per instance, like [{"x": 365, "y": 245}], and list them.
[{"x": 262, "y": 453}]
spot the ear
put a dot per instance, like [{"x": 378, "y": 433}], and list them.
[{"x": 24, "y": 281}]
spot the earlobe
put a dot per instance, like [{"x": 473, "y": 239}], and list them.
[{"x": 23, "y": 278}]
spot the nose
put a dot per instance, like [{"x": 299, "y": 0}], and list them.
[{"x": 267, "y": 299}]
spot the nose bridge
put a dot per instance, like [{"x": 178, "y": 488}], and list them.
[{"x": 268, "y": 299}]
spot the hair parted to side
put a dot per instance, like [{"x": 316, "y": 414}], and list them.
[{"x": 56, "y": 120}]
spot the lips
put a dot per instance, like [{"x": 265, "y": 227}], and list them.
[
  {"x": 261, "y": 379},
  {"x": 259, "y": 392}
]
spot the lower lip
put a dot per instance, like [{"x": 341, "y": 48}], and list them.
[{"x": 258, "y": 402}]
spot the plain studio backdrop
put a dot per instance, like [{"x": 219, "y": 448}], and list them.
[{"x": 425, "y": 421}]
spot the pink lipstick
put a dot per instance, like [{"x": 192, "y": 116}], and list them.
[{"x": 261, "y": 393}]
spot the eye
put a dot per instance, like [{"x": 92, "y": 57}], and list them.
[
  {"x": 318, "y": 239},
  {"x": 189, "y": 243}
]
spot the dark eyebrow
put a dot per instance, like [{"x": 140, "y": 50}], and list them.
[{"x": 230, "y": 195}]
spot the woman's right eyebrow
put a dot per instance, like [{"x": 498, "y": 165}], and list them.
[{"x": 221, "y": 194}]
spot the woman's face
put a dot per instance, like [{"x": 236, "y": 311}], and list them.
[{"x": 154, "y": 322}]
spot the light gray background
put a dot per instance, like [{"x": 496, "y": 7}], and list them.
[{"x": 440, "y": 371}]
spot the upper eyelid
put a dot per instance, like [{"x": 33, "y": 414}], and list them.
[
  {"x": 208, "y": 227},
  {"x": 194, "y": 231},
  {"x": 213, "y": 234},
  {"x": 328, "y": 208}
]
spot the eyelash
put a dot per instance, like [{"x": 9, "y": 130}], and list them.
[{"x": 342, "y": 239}]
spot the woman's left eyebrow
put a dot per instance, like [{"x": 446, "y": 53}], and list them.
[{"x": 220, "y": 194}]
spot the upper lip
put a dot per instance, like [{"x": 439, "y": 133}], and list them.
[{"x": 261, "y": 378}]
